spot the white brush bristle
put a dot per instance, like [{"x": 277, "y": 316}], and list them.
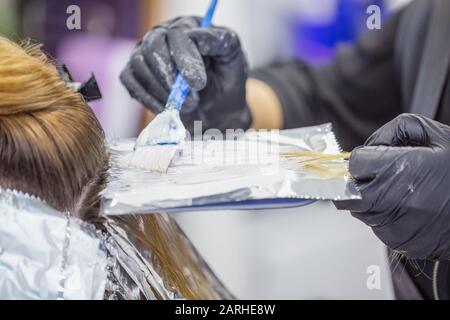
[{"x": 152, "y": 158}]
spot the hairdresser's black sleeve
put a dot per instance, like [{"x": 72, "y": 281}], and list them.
[{"x": 358, "y": 92}]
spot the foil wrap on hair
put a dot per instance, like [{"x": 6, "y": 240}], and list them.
[
  {"x": 151, "y": 258},
  {"x": 192, "y": 182},
  {"x": 46, "y": 254}
]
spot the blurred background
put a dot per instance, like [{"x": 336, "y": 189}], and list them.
[{"x": 310, "y": 252}]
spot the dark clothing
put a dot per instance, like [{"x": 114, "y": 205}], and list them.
[
  {"x": 420, "y": 279},
  {"x": 371, "y": 83},
  {"x": 404, "y": 67}
]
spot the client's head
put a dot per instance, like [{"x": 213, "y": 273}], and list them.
[{"x": 51, "y": 144}]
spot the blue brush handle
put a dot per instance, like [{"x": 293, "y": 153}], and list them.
[{"x": 180, "y": 88}]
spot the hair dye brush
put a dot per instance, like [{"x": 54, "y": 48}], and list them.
[{"x": 161, "y": 139}]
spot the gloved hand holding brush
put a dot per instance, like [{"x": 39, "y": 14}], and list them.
[
  {"x": 210, "y": 59},
  {"x": 403, "y": 172}
]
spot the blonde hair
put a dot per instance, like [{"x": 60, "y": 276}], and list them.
[
  {"x": 52, "y": 146},
  {"x": 51, "y": 143}
]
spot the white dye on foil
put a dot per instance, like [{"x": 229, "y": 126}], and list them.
[{"x": 215, "y": 171}]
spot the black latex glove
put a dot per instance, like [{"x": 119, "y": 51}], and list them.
[
  {"x": 403, "y": 172},
  {"x": 210, "y": 59}
]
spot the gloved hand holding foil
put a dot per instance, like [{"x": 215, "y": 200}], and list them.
[
  {"x": 210, "y": 59},
  {"x": 403, "y": 172}
]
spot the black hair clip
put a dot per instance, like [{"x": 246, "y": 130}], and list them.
[{"x": 88, "y": 89}]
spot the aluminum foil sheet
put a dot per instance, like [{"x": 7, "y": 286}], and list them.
[
  {"x": 129, "y": 254},
  {"x": 210, "y": 172},
  {"x": 153, "y": 259},
  {"x": 46, "y": 254}
]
